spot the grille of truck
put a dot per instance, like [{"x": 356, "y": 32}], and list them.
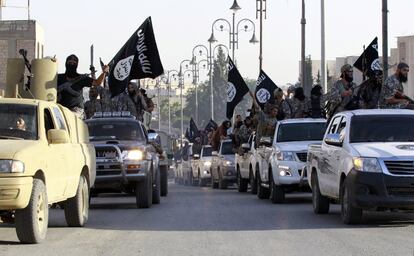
[
  {"x": 108, "y": 160},
  {"x": 396, "y": 191},
  {"x": 400, "y": 167},
  {"x": 302, "y": 156}
]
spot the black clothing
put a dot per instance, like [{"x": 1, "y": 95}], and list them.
[{"x": 67, "y": 98}]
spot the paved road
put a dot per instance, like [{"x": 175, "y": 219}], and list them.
[{"x": 200, "y": 221}]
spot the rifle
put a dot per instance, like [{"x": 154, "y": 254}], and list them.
[
  {"x": 92, "y": 67},
  {"x": 23, "y": 52}
]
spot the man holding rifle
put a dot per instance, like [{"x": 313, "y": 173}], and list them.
[{"x": 393, "y": 90}]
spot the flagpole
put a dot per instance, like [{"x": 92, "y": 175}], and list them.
[{"x": 303, "y": 77}]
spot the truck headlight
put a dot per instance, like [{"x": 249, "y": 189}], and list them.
[
  {"x": 207, "y": 163},
  {"x": 285, "y": 156},
  {"x": 11, "y": 166},
  {"x": 367, "y": 164},
  {"x": 228, "y": 163},
  {"x": 133, "y": 155}
]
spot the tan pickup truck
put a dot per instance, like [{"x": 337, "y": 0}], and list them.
[{"x": 45, "y": 159}]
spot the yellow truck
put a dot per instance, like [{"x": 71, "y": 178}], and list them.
[{"x": 45, "y": 159}]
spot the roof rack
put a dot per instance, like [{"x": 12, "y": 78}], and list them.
[{"x": 125, "y": 114}]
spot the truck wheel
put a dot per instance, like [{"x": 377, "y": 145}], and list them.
[
  {"x": 242, "y": 184},
  {"x": 164, "y": 180},
  {"x": 253, "y": 184},
  {"x": 277, "y": 193},
  {"x": 320, "y": 202},
  {"x": 222, "y": 182},
  {"x": 32, "y": 221},
  {"x": 77, "y": 208},
  {"x": 156, "y": 190},
  {"x": 349, "y": 214},
  {"x": 262, "y": 193},
  {"x": 143, "y": 192}
]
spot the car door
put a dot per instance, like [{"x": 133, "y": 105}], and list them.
[
  {"x": 244, "y": 165},
  {"x": 327, "y": 165},
  {"x": 337, "y": 159},
  {"x": 57, "y": 164}
]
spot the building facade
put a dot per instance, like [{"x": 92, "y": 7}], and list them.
[{"x": 16, "y": 35}]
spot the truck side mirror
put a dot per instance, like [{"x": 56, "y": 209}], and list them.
[
  {"x": 333, "y": 140},
  {"x": 246, "y": 147},
  {"x": 214, "y": 153},
  {"x": 57, "y": 136},
  {"x": 196, "y": 156},
  {"x": 154, "y": 138}
]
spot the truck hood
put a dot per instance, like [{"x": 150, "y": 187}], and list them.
[
  {"x": 229, "y": 158},
  {"x": 296, "y": 146},
  {"x": 9, "y": 148},
  {"x": 384, "y": 150}
]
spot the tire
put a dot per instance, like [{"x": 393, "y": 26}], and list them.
[
  {"x": 262, "y": 193},
  {"x": 77, "y": 207},
  {"x": 320, "y": 203},
  {"x": 277, "y": 193},
  {"x": 156, "y": 190},
  {"x": 242, "y": 184},
  {"x": 253, "y": 184},
  {"x": 143, "y": 192},
  {"x": 32, "y": 221},
  {"x": 222, "y": 182},
  {"x": 164, "y": 180},
  {"x": 349, "y": 214}
]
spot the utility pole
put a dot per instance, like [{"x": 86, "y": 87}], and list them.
[
  {"x": 385, "y": 38},
  {"x": 323, "y": 60},
  {"x": 303, "y": 58},
  {"x": 261, "y": 9}
]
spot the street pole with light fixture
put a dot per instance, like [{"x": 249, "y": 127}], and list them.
[
  {"x": 303, "y": 46},
  {"x": 168, "y": 82},
  {"x": 181, "y": 75},
  {"x": 235, "y": 29},
  {"x": 261, "y": 8},
  {"x": 323, "y": 60}
]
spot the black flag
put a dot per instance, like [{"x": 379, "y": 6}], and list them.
[
  {"x": 194, "y": 132},
  {"x": 236, "y": 89},
  {"x": 264, "y": 89},
  {"x": 138, "y": 58},
  {"x": 369, "y": 61},
  {"x": 211, "y": 125}
]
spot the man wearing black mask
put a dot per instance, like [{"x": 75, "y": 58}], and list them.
[
  {"x": 342, "y": 93},
  {"x": 71, "y": 84},
  {"x": 393, "y": 91}
]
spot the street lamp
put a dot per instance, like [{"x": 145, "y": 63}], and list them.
[
  {"x": 234, "y": 29},
  {"x": 181, "y": 75},
  {"x": 261, "y": 8},
  {"x": 167, "y": 79}
]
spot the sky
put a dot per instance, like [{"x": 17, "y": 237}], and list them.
[{"x": 179, "y": 25}]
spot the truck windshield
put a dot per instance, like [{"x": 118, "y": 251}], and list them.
[
  {"x": 18, "y": 121},
  {"x": 227, "y": 148},
  {"x": 207, "y": 151},
  {"x": 115, "y": 130},
  {"x": 382, "y": 128},
  {"x": 301, "y": 132}
]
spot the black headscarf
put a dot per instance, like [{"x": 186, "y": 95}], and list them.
[{"x": 71, "y": 68}]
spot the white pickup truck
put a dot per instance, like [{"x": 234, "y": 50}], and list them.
[
  {"x": 201, "y": 165},
  {"x": 244, "y": 166},
  {"x": 366, "y": 162}
]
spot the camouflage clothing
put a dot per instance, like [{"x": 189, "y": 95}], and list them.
[
  {"x": 300, "y": 108},
  {"x": 391, "y": 86},
  {"x": 92, "y": 106},
  {"x": 266, "y": 125},
  {"x": 337, "y": 102},
  {"x": 370, "y": 94},
  {"x": 284, "y": 110},
  {"x": 244, "y": 134},
  {"x": 123, "y": 102}
]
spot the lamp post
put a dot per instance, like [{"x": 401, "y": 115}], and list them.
[
  {"x": 234, "y": 29},
  {"x": 181, "y": 75},
  {"x": 167, "y": 79},
  {"x": 385, "y": 38},
  {"x": 261, "y": 8},
  {"x": 303, "y": 47}
]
